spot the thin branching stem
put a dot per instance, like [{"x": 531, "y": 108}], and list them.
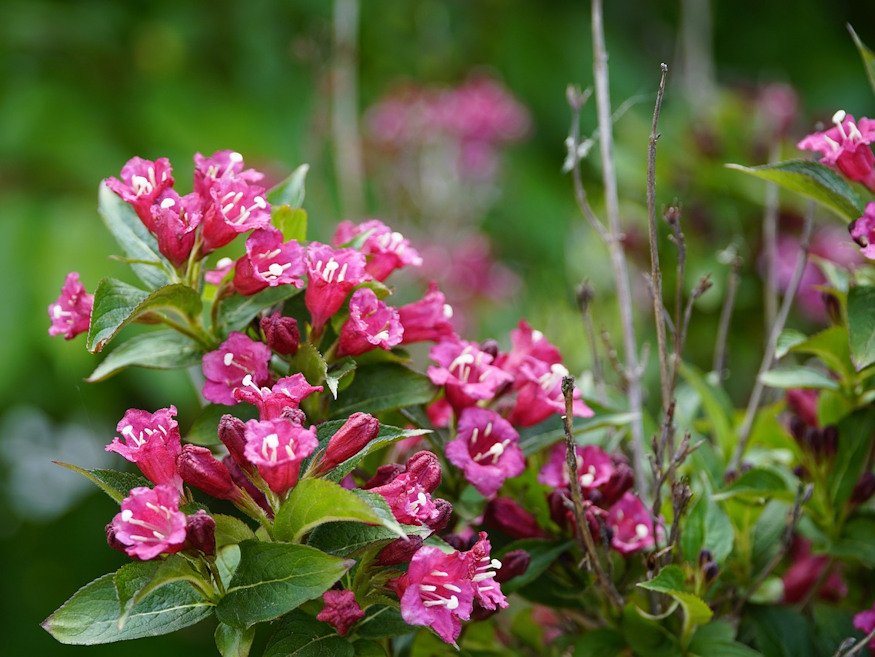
[
  {"x": 851, "y": 647},
  {"x": 719, "y": 364}
]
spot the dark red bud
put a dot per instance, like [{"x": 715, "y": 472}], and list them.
[
  {"x": 442, "y": 519},
  {"x": 711, "y": 570},
  {"x": 490, "y": 346},
  {"x": 513, "y": 564},
  {"x": 829, "y": 440},
  {"x": 507, "y": 516},
  {"x": 426, "y": 469},
  {"x": 460, "y": 542},
  {"x": 199, "y": 468},
  {"x": 864, "y": 489},
  {"x": 705, "y": 556},
  {"x": 241, "y": 480},
  {"x": 281, "y": 333},
  {"x": 383, "y": 475},
  {"x": 232, "y": 433},
  {"x": 200, "y": 532},
  {"x": 113, "y": 542},
  {"x": 350, "y": 439},
  {"x": 833, "y": 308},
  {"x": 399, "y": 551}
]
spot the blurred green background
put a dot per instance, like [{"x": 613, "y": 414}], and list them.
[{"x": 87, "y": 84}]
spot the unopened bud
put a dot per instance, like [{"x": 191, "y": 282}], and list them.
[
  {"x": 710, "y": 570},
  {"x": 199, "y": 468},
  {"x": 705, "y": 556},
  {"x": 513, "y": 564},
  {"x": 242, "y": 481},
  {"x": 383, "y": 475},
  {"x": 585, "y": 295},
  {"x": 232, "y": 433},
  {"x": 833, "y": 308},
  {"x": 350, "y": 439},
  {"x": 112, "y": 541},
  {"x": 426, "y": 469},
  {"x": 864, "y": 489},
  {"x": 490, "y": 346},
  {"x": 460, "y": 542},
  {"x": 399, "y": 551},
  {"x": 443, "y": 515},
  {"x": 200, "y": 532},
  {"x": 281, "y": 333},
  {"x": 829, "y": 441},
  {"x": 507, "y": 516}
]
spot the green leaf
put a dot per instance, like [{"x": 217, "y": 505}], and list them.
[
  {"x": 707, "y": 526},
  {"x": 534, "y": 442},
  {"x": 867, "y": 55},
  {"x": 338, "y": 372},
  {"x": 300, "y": 635},
  {"x": 788, "y": 339},
  {"x": 646, "y": 636},
  {"x": 715, "y": 403},
  {"x": 757, "y": 484},
  {"x": 781, "y": 632},
  {"x": 343, "y": 539},
  {"x": 235, "y": 312},
  {"x": 368, "y": 648},
  {"x": 205, "y": 429},
  {"x": 91, "y": 616},
  {"x": 861, "y": 325},
  {"x": 292, "y": 222},
  {"x": 137, "y": 243},
  {"x": 163, "y": 350},
  {"x": 855, "y": 542},
  {"x": 383, "y": 387},
  {"x": 855, "y": 438},
  {"x": 274, "y": 578},
  {"x": 309, "y": 361},
  {"x": 135, "y": 581},
  {"x": 234, "y": 641},
  {"x": 798, "y": 377},
  {"x": 542, "y": 553},
  {"x": 114, "y": 483},
  {"x": 290, "y": 191},
  {"x": 670, "y": 578},
  {"x": 117, "y": 304},
  {"x": 718, "y": 638},
  {"x": 814, "y": 180},
  {"x": 831, "y": 347},
  {"x": 381, "y": 621},
  {"x": 602, "y": 642},
  {"x": 313, "y": 502}
]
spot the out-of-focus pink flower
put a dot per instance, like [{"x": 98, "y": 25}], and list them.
[
  {"x": 803, "y": 402},
  {"x": 466, "y": 372},
  {"x": 631, "y": 525},
  {"x": 863, "y": 231},
  {"x": 486, "y": 449},
  {"x": 482, "y": 573},
  {"x": 865, "y": 622},
  {"x": 269, "y": 262},
  {"x": 331, "y": 276},
  {"x": 277, "y": 448},
  {"x": 779, "y": 103},
  {"x": 341, "y": 611},
  {"x": 508, "y": 516},
  {"x": 142, "y": 182},
  {"x": 436, "y": 591},
  {"x": 806, "y": 570},
  {"x": 150, "y": 522},
  {"x": 152, "y": 441},
  {"x": 226, "y": 368},
  {"x": 215, "y": 276},
  {"x": 427, "y": 319},
  {"x": 372, "y": 324},
  {"x": 175, "y": 221},
  {"x": 539, "y": 394},
  {"x": 439, "y": 412},
  {"x": 71, "y": 312},
  {"x": 286, "y": 394},
  {"x": 386, "y": 250},
  {"x": 846, "y": 147},
  {"x": 594, "y": 467}
]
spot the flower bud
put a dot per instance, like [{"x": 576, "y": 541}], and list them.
[
  {"x": 490, "y": 346},
  {"x": 513, "y": 564},
  {"x": 803, "y": 403},
  {"x": 232, "y": 432},
  {"x": 425, "y": 468},
  {"x": 242, "y": 481},
  {"x": 506, "y": 515},
  {"x": 864, "y": 489},
  {"x": 350, "y": 439},
  {"x": 340, "y": 611},
  {"x": 399, "y": 551},
  {"x": 829, "y": 441},
  {"x": 113, "y": 541},
  {"x": 711, "y": 570},
  {"x": 200, "y": 532},
  {"x": 199, "y": 468},
  {"x": 705, "y": 556},
  {"x": 383, "y": 475},
  {"x": 281, "y": 333},
  {"x": 443, "y": 515}
]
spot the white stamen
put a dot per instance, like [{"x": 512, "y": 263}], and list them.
[
  {"x": 448, "y": 311},
  {"x": 641, "y": 530},
  {"x": 428, "y": 588},
  {"x": 439, "y": 573},
  {"x": 453, "y": 588},
  {"x": 167, "y": 203},
  {"x": 228, "y": 359}
]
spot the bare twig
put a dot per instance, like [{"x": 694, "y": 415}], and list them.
[
  {"x": 576, "y": 100},
  {"x": 851, "y": 646},
  {"x": 703, "y": 286},
  {"x": 771, "y": 345},
  {"x": 585, "y": 294},
  {"x": 718, "y": 366}
]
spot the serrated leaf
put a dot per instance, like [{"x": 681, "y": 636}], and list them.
[
  {"x": 235, "y": 312},
  {"x": 383, "y": 387},
  {"x": 290, "y": 191},
  {"x": 867, "y": 55},
  {"x": 117, "y": 304},
  {"x": 91, "y": 616},
  {"x": 274, "y": 578},
  {"x": 135, "y": 581},
  {"x": 670, "y": 578},
  {"x": 300, "y": 635},
  {"x": 343, "y": 539},
  {"x": 798, "y": 377},
  {"x": 234, "y": 641},
  {"x": 114, "y": 483},
  {"x": 814, "y": 180},
  {"x": 309, "y": 362},
  {"x": 154, "y": 350},
  {"x": 861, "y": 325},
  {"x": 135, "y": 240}
]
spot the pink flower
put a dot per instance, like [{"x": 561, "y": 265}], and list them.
[
  {"x": 277, "y": 448},
  {"x": 865, "y": 622},
  {"x": 806, "y": 571},
  {"x": 331, "y": 276},
  {"x": 594, "y": 467},
  {"x": 486, "y": 449},
  {"x": 226, "y": 368},
  {"x": 436, "y": 591},
  {"x": 142, "y": 183},
  {"x": 846, "y": 147},
  {"x": 269, "y": 262},
  {"x": 341, "y": 611},
  {"x": 631, "y": 524},
  {"x": 71, "y": 312},
  {"x": 233, "y": 207},
  {"x": 506, "y": 515},
  {"x": 286, "y": 394},
  {"x": 427, "y": 319},
  {"x": 150, "y": 522},
  {"x": 358, "y": 430},
  {"x": 482, "y": 572},
  {"x": 221, "y": 165},
  {"x": 386, "y": 250},
  {"x": 466, "y": 372},
  {"x": 223, "y": 267},
  {"x": 408, "y": 491},
  {"x": 152, "y": 441},
  {"x": 174, "y": 222},
  {"x": 527, "y": 343},
  {"x": 863, "y": 231},
  {"x": 371, "y": 324},
  {"x": 539, "y": 394}
]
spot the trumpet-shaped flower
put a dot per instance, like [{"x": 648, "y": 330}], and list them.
[
  {"x": 142, "y": 182},
  {"x": 427, "y": 319},
  {"x": 287, "y": 393},
  {"x": 539, "y": 393},
  {"x": 152, "y": 441},
  {"x": 386, "y": 250},
  {"x": 269, "y": 262},
  {"x": 277, "y": 448},
  {"x": 331, "y": 276},
  {"x": 174, "y": 221},
  {"x": 863, "y": 231},
  {"x": 372, "y": 324},
  {"x": 466, "y": 372},
  {"x": 631, "y": 525},
  {"x": 482, "y": 571},
  {"x": 845, "y": 146},
  {"x": 221, "y": 165},
  {"x": 71, "y": 312},
  {"x": 228, "y": 367},
  {"x": 594, "y": 467},
  {"x": 150, "y": 522},
  {"x": 233, "y": 207}
]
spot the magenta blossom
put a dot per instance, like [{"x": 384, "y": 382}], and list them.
[
  {"x": 174, "y": 221},
  {"x": 865, "y": 622},
  {"x": 287, "y": 393},
  {"x": 226, "y": 368},
  {"x": 142, "y": 183},
  {"x": 539, "y": 394},
  {"x": 436, "y": 591},
  {"x": 427, "y": 319},
  {"x": 277, "y": 448},
  {"x": 407, "y": 490},
  {"x": 594, "y": 467},
  {"x": 234, "y": 207},
  {"x": 466, "y": 372},
  {"x": 152, "y": 441},
  {"x": 863, "y": 231},
  {"x": 269, "y": 262},
  {"x": 221, "y": 165},
  {"x": 223, "y": 268},
  {"x": 341, "y": 610},
  {"x": 486, "y": 449},
  {"x": 331, "y": 276},
  {"x": 71, "y": 312},
  {"x": 631, "y": 524},
  {"x": 482, "y": 572},
  {"x": 846, "y": 147},
  {"x": 386, "y": 250},
  {"x": 371, "y": 324},
  {"x": 527, "y": 343},
  {"x": 150, "y": 522}
]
